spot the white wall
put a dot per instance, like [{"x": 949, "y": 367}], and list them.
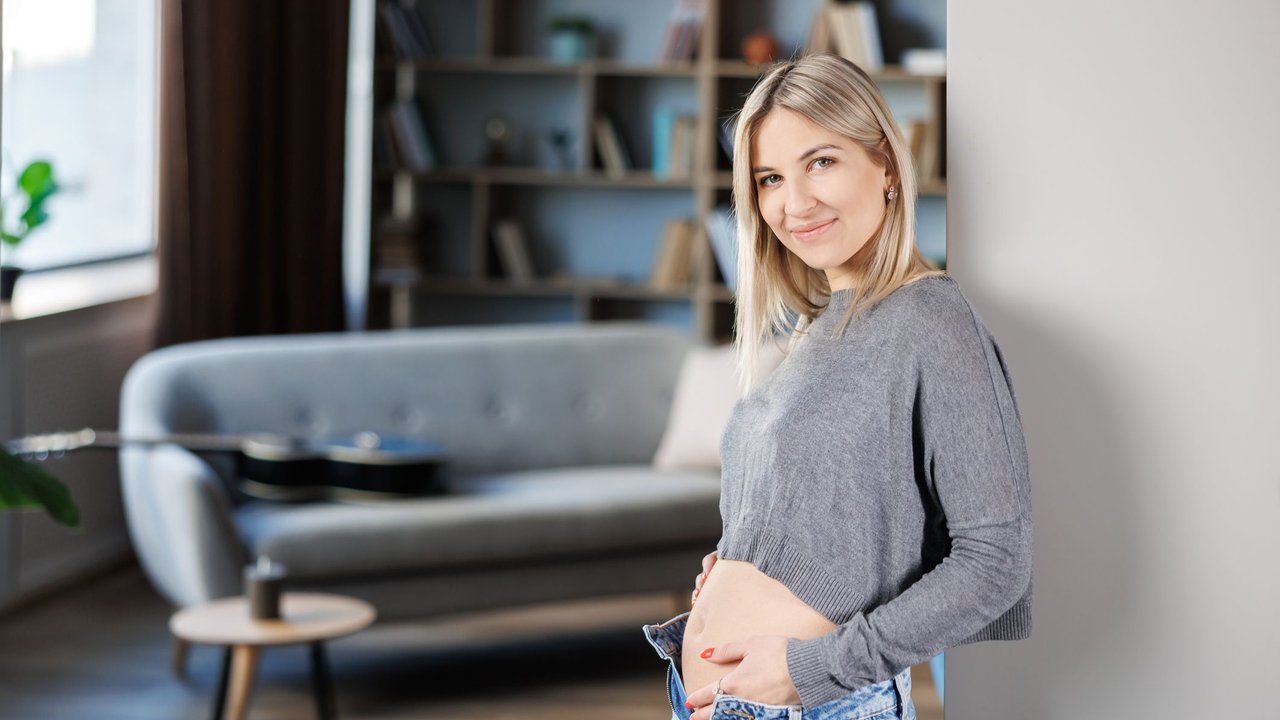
[
  {"x": 62, "y": 371},
  {"x": 1113, "y": 214}
]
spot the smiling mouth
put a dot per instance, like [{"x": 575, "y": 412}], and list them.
[{"x": 813, "y": 231}]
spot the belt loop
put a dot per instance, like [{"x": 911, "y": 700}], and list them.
[{"x": 904, "y": 692}]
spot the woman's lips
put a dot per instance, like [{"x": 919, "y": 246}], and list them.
[{"x": 813, "y": 233}]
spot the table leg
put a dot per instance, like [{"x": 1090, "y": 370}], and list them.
[
  {"x": 220, "y": 699},
  {"x": 244, "y": 665},
  {"x": 322, "y": 682},
  {"x": 178, "y": 660}
]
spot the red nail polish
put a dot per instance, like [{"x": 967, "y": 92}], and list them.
[
  {"x": 707, "y": 653},
  {"x": 688, "y": 704}
]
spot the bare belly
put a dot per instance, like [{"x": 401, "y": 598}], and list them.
[{"x": 736, "y": 602}]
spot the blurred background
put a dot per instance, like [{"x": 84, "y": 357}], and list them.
[{"x": 187, "y": 170}]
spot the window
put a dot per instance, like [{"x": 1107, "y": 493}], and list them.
[{"x": 80, "y": 90}]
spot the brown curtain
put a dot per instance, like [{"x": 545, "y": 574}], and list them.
[{"x": 253, "y": 104}]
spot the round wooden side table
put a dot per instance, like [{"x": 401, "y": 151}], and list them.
[{"x": 305, "y": 618}]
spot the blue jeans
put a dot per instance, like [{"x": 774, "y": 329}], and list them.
[{"x": 888, "y": 700}]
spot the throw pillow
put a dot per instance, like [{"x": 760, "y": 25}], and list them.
[{"x": 706, "y": 392}]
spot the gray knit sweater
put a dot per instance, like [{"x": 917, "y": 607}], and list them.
[{"x": 883, "y": 478}]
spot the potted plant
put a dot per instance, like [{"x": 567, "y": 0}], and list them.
[
  {"x": 573, "y": 38},
  {"x": 35, "y": 185},
  {"x": 26, "y": 485}
]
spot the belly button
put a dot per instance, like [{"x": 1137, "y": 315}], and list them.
[{"x": 696, "y": 624}]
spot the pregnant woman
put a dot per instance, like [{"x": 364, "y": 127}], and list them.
[{"x": 875, "y": 491}]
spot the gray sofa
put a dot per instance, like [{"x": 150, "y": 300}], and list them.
[{"x": 550, "y": 432}]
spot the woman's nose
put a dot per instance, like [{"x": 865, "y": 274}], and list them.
[{"x": 800, "y": 200}]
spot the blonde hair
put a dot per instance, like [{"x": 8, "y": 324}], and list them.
[{"x": 835, "y": 94}]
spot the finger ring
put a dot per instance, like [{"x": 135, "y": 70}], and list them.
[{"x": 718, "y": 686}]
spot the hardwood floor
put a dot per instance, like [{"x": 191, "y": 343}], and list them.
[{"x": 103, "y": 650}]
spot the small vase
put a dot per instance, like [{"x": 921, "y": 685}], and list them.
[
  {"x": 571, "y": 47},
  {"x": 8, "y": 278}
]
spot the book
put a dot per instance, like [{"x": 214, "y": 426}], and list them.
[
  {"x": 684, "y": 31},
  {"x": 621, "y": 142},
  {"x": 664, "y": 119},
  {"x": 410, "y": 136},
  {"x": 673, "y": 261},
  {"x": 682, "y": 268},
  {"x": 928, "y": 165},
  {"x": 613, "y": 155},
  {"x": 922, "y": 138},
  {"x": 819, "y": 32},
  {"x": 513, "y": 249},
  {"x": 659, "y": 274},
  {"x": 418, "y": 30},
  {"x": 722, "y": 233},
  {"x": 855, "y": 34},
  {"x": 725, "y": 135},
  {"x": 404, "y": 29},
  {"x": 680, "y": 164},
  {"x": 870, "y": 27}
]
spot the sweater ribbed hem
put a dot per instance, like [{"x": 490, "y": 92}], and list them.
[
  {"x": 1014, "y": 624},
  {"x": 809, "y": 673},
  {"x": 811, "y": 583}
]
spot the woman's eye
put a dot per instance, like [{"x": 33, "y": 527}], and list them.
[
  {"x": 824, "y": 160},
  {"x": 765, "y": 180}
]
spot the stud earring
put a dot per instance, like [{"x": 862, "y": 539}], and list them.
[{"x": 893, "y": 193}]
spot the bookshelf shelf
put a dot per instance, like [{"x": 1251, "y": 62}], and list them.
[
  {"x": 601, "y": 288},
  {"x": 890, "y": 73},
  {"x": 539, "y": 177},
  {"x": 536, "y": 66},
  {"x": 570, "y": 230}
]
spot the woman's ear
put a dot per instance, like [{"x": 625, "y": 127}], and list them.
[{"x": 886, "y": 153}]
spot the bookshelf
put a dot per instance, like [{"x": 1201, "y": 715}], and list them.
[{"x": 592, "y": 232}]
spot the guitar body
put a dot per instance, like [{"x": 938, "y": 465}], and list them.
[
  {"x": 281, "y": 469},
  {"x": 363, "y": 466}
]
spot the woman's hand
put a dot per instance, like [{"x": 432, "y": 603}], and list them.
[
  {"x": 761, "y": 676},
  {"x": 707, "y": 561}
]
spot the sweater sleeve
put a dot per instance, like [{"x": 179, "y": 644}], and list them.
[{"x": 972, "y": 457}]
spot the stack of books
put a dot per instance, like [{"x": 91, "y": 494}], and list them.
[
  {"x": 403, "y": 31},
  {"x": 851, "y": 31},
  {"x": 398, "y": 256},
  {"x": 674, "y": 263},
  {"x": 684, "y": 31},
  {"x": 673, "y": 143}
]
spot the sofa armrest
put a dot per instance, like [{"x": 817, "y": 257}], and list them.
[{"x": 180, "y": 523}]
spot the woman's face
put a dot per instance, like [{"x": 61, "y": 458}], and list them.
[{"x": 819, "y": 192}]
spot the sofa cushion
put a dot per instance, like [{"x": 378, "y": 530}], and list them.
[
  {"x": 706, "y": 392},
  {"x": 522, "y": 516}
]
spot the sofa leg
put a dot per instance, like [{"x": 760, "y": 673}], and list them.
[{"x": 178, "y": 660}]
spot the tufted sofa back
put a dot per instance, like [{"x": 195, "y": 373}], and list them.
[{"x": 499, "y": 397}]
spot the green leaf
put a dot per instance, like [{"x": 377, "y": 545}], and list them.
[
  {"x": 10, "y": 239},
  {"x": 34, "y": 217},
  {"x": 38, "y": 184},
  {"x": 36, "y": 179},
  {"x": 26, "y": 485}
]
